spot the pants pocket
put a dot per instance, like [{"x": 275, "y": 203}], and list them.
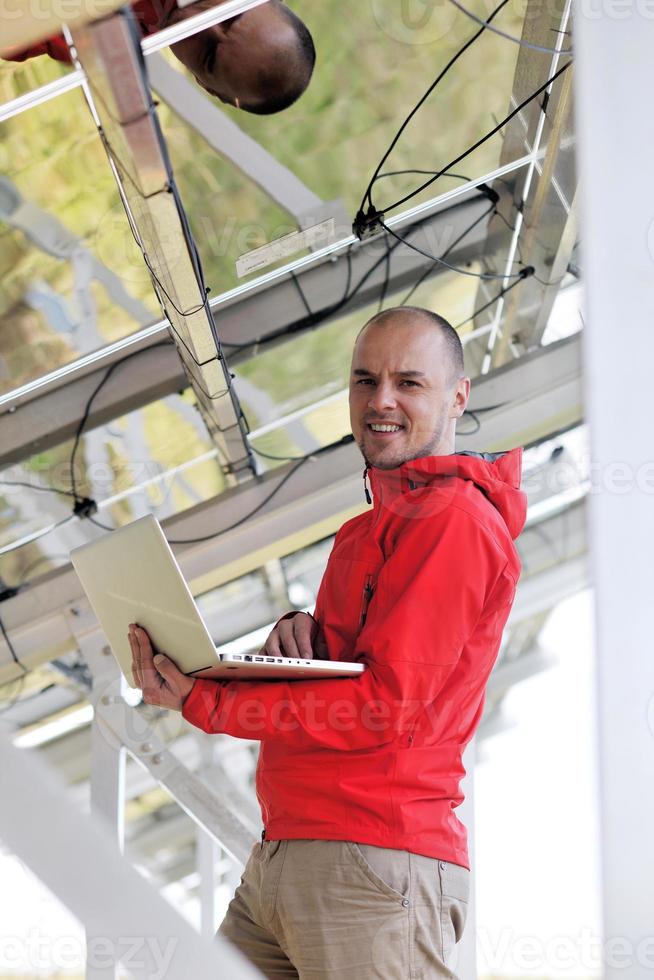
[
  {"x": 385, "y": 868},
  {"x": 455, "y": 892}
]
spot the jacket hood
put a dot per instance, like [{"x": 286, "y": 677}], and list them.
[{"x": 496, "y": 475}]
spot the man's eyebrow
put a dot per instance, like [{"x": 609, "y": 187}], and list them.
[{"x": 405, "y": 374}]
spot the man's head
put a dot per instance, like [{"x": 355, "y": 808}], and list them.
[
  {"x": 407, "y": 369},
  {"x": 260, "y": 61}
]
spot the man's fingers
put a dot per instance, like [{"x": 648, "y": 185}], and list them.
[
  {"x": 169, "y": 671},
  {"x": 136, "y": 672},
  {"x": 303, "y": 628},
  {"x": 149, "y": 675},
  {"x": 287, "y": 638}
]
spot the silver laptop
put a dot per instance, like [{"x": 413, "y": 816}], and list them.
[{"x": 131, "y": 576}]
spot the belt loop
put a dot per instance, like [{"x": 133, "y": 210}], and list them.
[{"x": 263, "y": 837}]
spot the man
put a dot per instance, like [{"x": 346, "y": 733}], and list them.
[
  {"x": 363, "y": 868},
  {"x": 260, "y": 61}
]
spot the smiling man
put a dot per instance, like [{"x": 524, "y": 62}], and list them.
[
  {"x": 260, "y": 61},
  {"x": 363, "y": 868}
]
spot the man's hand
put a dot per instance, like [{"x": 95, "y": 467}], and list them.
[
  {"x": 299, "y": 636},
  {"x": 159, "y": 679}
]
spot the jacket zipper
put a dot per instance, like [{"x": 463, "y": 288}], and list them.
[{"x": 368, "y": 591}]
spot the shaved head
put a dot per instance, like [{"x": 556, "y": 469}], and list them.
[{"x": 404, "y": 314}]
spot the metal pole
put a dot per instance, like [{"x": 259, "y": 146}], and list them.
[{"x": 616, "y": 149}]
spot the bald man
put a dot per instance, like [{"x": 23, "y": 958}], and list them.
[
  {"x": 363, "y": 867},
  {"x": 260, "y": 61}
]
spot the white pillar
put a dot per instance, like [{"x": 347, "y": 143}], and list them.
[
  {"x": 107, "y": 763},
  {"x": 614, "y": 45},
  {"x": 207, "y": 853}
]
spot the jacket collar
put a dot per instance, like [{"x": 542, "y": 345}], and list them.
[{"x": 496, "y": 475}]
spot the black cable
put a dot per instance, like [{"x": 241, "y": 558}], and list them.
[
  {"x": 39, "y": 561},
  {"x": 285, "y": 459},
  {"x": 217, "y": 534},
  {"x": 479, "y": 142},
  {"x": 89, "y": 404},
  {"x": 510, "y": 37},
  {"x": 11, "y": 647},
  {"x": 427, "y": 272},
  {"x": 401, "y": 173},
  {"x": 367, "y": 195},
  {"x": 13, "y": 700},
  {"x": 35, "y": 486},
  {"x": 511, "y": 229},
  {"x": 490, "y": 302},
  {"x": 474, "y": 432},
  {"x": 105, "y": 527},
  {"x": 305, "y": 302},
  {"x": 448, "y": 265}
]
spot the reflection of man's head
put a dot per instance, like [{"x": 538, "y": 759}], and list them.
[{"x": 260, "y": 61}]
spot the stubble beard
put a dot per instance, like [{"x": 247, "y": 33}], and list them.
[{"x": 393, "y": 463}]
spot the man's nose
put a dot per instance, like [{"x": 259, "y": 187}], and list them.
[{"x": 382, "y": 398}]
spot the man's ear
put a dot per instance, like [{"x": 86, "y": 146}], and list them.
[{"x": 460, "y": 397}]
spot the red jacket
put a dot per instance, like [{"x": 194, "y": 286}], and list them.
[
  {"x": 419, "y": 589},
  {"x": 148, "y": 15}
]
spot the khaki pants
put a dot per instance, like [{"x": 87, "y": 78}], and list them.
[{"x": 318, "y": 909}]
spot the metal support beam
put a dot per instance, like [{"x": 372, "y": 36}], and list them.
[
  {"x": 107, "y": 766},
  {"x": 537, "y": 202},
  {"x": 617, "y": 205},
  {"x": 118, "y": 95},
  {"x": 207, "y": 854},
  {"x": 109, "y": 897},
  {"x": 134, "y": 729}
]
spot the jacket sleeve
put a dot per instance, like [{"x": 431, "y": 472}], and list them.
[{"x": 441, "y": 578}]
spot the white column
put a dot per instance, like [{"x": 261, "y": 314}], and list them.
[
  {"x": 107, "y": 767},
  {"x": 207, "y": 853},
  {"x": 614, "y": 45}
]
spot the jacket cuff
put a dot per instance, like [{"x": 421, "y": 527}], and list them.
[
  {"x": 203, "y": 692},
  {"x": 289, "y": 615}
]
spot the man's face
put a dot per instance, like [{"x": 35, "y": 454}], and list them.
[
  {"x": 401, "y": 374},
  {"x": 225, "y": 58}
]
